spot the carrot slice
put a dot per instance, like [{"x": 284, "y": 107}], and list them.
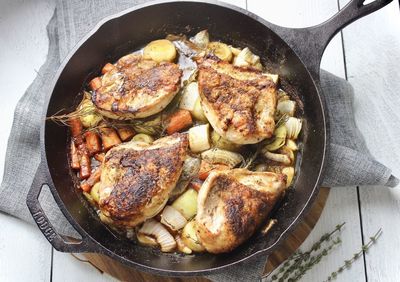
[
  {"x": 206, "y": 168},
  {"x": 92, "y": 142},
  {"x": 75, "y": 126},
  {"x": 85, "y": 166},
  {"x": 125, "y": 133},
  {"x": 107, "y": 67},
  {"x": 196, "y": 184},
  {"x": 109, "y": 137},
  {"x": 95, "y": 83},
  {"x": 99, "y": 157},
  {"x": 74, "y": 156},
  {"x": 84, "y": 162},
  {"x": 178, "y": 121},
  {"x": 94, "y": 177},
  {"x": 86, "y": 187}
]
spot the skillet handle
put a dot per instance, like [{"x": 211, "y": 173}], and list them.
[
  {"x": 42, "y": 221},
  {"x": 309, "y": 43}
]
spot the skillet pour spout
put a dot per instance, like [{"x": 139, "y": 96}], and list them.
[{"x": 295, "y": 54}]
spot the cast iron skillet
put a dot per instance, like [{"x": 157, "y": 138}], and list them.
[{"x": 293, "y": 53}]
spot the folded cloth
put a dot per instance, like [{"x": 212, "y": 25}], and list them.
[{"x": 349, "y": 162}]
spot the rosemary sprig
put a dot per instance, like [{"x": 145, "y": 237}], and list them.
[
  {"x": 299, "y": 258},
  {"x": 151, "y": 127},
  {"x": 63, "y": 119},
  {"x": 356, "y": 256},
  {"x": 80, "y": 111}
]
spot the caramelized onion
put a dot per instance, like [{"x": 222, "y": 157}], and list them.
[
  {"x": 163, "y": 237},
  {"x": 172, "y": 218}
]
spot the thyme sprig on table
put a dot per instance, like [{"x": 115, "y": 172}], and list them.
[
  {"x": 300, "y": 262},
  {"x": 299, "y": 259},
  {"x": 356, "y": 256},
  {"x": 314, "y": 260}
]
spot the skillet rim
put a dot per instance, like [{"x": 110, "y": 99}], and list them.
[{"x": 95, "y": 246}]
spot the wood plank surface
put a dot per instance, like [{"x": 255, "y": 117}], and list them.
[
  {"x": 342, "y": 204},
  {"x": 372, "y": 48},
  {"x": 25, "y": 254}
]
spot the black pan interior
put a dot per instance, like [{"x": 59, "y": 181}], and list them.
[{"x": 130, "y": 31}]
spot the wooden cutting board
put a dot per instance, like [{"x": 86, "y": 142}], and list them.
[{"x": 291, "y": 244}]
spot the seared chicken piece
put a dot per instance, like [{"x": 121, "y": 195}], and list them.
[
  {"x": 238, "y": 102},
  {"x": 137, "y": 178},
  {"x": 137, "y": 88},
  {"x": 232, "y": 204}
]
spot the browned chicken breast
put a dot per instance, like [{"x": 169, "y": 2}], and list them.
[
  {"x": 137, "y": 88},
  {"x": 238, "y": 102},
  {"x": 232, "y": 204},
  {"x": 137, "y": 178}
]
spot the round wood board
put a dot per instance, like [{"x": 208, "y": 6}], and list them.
[{"x": 291, "y": 244}]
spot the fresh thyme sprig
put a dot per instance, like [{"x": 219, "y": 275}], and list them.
[
  {"x": 326, "y": 237},
  {"x": 299, "y": 258},
  {"x": 356, "y": 256},
  {"x": 299, "y": 263},
  {"x": 314, "y": 260}
]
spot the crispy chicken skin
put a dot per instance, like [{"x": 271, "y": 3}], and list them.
[
  {"x": 238, "y": 102},
  {"x": 137, "y": 178},
  {"x": 232, "y": 204},
  {"x": 137, "y": 88}
]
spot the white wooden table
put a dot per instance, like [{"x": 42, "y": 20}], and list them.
[{"x": 367, "y": 53}]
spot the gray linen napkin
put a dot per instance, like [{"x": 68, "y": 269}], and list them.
[{"x": 349, "y": 162}]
